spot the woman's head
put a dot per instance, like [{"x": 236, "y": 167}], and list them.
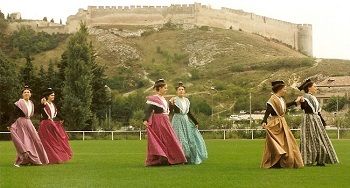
[
  {"x": 180, "y": 89},
  {"x": 160, "y": 86},
  {"x": 308, "y": 86},
  {"x": 279, "y": 87},
  {"x": 26, "y": 92},
  {"x": 49, "y": 95}
]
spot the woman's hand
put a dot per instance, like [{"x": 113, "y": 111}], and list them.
[
  {"x": 172, "y": 100},
  {"x": 145, "y": 123},
  {"x": 43, "y": 101},
  {"x": 299, "y": 99}
]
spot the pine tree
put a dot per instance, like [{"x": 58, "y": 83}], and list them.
[
  {"x": 27, "y": 74},
  {"x": 101, "y": 100},
  {"x": 42, "y": 79},
  {"x": 9, "y": 89},
  {"x": 28, "y": 77},
  {"x": 77, "y": 90}
]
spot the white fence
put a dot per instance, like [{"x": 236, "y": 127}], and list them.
[{"x": 223, "y": 133}]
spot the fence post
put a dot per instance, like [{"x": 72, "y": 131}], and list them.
[
  {"x": 338, "y": 133},
  {"x": 112, "y": 135},
  {"x": 252, "y": 134},
  {"x": 83, "y": 135},
  {"x": 140, "y": 135},
  {"x": 224, "y": 134}
]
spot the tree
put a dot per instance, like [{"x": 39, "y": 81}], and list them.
[
  {"x": 3, "y": 23},
  {"x": 42, "y": 79},
  {"x": 77, "y": 90},
  {"x": 23, "y": 39},
  {"x": 27, "y": 74},
  {"x": 52, "y": 21},
  {"x": 61, "y": 21},
  {"x": 2, "y": 15},
  {"x": 45, "y": 19},
  {"x": 28, "y": 77},
  {"x": 335, "y": 103},
  {"x": 9, "y": 89},
  {"x": 100, "y": 99},
  {"x": 55, "y": 82}
]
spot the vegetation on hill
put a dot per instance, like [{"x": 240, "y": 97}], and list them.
[{"x": 221, "y": 69}]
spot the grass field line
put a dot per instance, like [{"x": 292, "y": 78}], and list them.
[{"x": 231, "y": 163}]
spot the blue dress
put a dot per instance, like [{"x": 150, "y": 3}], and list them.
[{"x": 184, "y": 125}]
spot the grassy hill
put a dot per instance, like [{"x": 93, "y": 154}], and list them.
[{"x": 234, "y": 62}]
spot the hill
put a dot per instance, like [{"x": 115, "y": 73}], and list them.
[{"x": 235, "y": 63}]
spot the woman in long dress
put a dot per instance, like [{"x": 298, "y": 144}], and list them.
[
  {"x": 185, "y": 126},
  {"x": 316, "y": 147},
  {"x": 24, "y": 136},
  {"x": 281, "y": 149},
  {"x": 51, "y": 131},
  {"x": 163, "y": 146}
]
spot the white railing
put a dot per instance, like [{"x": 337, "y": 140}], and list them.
[{"x": 224, "y": 132}]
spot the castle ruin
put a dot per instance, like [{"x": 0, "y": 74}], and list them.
[{"x": 297, "y": 36}]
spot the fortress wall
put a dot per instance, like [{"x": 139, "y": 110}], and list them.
[
  {"x": 271, "y": 28},
  {"x": 296, "y": 35},
  {"x": 137, "y": 15},
  {"x": 38, "y": 26}
]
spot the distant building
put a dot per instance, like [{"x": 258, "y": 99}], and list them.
[
  {"x": 333, "y": 86},
  {"x": 15, "y": 16}
]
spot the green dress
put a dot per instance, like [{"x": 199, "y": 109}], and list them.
[{"x": 184, "y": 125}]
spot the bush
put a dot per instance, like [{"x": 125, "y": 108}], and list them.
[
  {"x": 283, "y": 63},
  {"x": 335, "y": 103}
]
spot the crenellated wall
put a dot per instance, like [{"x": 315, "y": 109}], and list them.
[
  {"x": 298, "y": 36},
  {"x": 38, "y": 25}
]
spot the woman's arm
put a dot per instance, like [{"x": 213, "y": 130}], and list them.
[
  {"x": 323, "y": 121},
  {"x": 148, "y": 112},
  {"x": 268, "y": 111},
  {"x": 190, "y": 115}
]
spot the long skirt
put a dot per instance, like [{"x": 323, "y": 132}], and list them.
[
  {"x": 191, "y": 140},
  {"x": 26, "y": 140},
  {"x": 281, "y": 149},
  {"x": 315, "y": 145},
  {"x": 163, "y": 146},
  {"x": 55, "y": 141}
]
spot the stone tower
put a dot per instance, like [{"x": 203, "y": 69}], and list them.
[{"x": 305, "y": 39}]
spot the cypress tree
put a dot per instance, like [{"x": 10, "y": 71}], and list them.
[
  {"x": 77, "y": 90},
  {"x": 101, "y": 99},
  {"x": 9, "y": 89}
]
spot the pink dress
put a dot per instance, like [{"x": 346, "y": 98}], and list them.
[
  {"x": 163, "y": 146},
  {"x": 25, "y": 137},
  {"x": 54, "y": 137}
]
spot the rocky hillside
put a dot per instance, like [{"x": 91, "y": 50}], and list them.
[{"x": 233, "y": 62}]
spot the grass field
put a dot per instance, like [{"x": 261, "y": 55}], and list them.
[{"x": 231, "y": 163}]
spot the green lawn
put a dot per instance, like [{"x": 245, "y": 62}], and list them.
[{"x": 231, "y": 163}]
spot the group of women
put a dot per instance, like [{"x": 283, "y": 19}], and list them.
[
  {"x": 281, "y": 149},
  {"x": 47, "y": 146},
  {"x": 172, "y": 142},
  {"x": 178, "y": 141}
]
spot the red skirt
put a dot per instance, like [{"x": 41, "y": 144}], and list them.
[
  {"x": 55, "y": 141},
  {"x": 163, "y": 145}
]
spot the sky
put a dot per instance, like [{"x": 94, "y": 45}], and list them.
[{"x": 330, "y": 19}]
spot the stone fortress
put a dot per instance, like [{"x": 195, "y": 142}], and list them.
[{"x": 297, "y": 36}]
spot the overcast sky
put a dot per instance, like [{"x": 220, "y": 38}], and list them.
[{"x": 330, "y": 19}]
